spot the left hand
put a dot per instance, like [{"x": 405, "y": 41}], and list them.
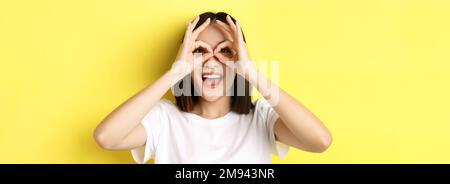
[{"x": 243, "y": 64}]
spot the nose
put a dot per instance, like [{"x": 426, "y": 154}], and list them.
[{"x": 212, "y": 63}]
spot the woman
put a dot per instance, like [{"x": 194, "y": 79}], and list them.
[{"x": 214, "y": 119}]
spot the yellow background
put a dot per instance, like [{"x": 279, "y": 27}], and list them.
[{"x": 376, "y": 72}]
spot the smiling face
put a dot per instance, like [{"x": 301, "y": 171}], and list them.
[{"x": 213, "y": 78}]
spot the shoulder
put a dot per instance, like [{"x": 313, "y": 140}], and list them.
[
  {"x": 262, "y": 106},
  {"x": 166, "y": 105},
  {"x": 264, "y": 112},
  {"x": 163, "y": 109},
  {"x": 162, "y": 112}
]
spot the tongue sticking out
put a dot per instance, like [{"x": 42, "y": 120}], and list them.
[
  {"x": 211, "y": 80},
  {"x": 211, "y": 83}
]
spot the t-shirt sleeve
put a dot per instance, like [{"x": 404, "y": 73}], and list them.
[
  {"x": 152, "y": 123},
  {"x": 270, "y": 116}
]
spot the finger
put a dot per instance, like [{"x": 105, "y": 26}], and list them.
[
  {"x": 195, "y": 21},
  {"x": 225, "y": 56},
  {"x": 230, "y": 64},
  {"x": 231, "y": 23},
  {"x": 223, "y": 45},
  {"x": 224, "y": 26},
  {"x": 187, "y": 32},
  {"x": 191, "y": 26},
  {"x": 189, "y": 29},
  {"x": 205, "y": 55},
  {"x": 204, "y": 45},
  {"x": 226, "y": 30},
  {"x": 240, "y": 35},
  {"x": 201, "y": 28},
  {"x": 220, "y": 57}
]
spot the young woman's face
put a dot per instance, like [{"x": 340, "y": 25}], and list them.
[{"x": 213, "y": 78}]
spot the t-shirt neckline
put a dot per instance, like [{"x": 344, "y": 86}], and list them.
[{"x": 214, "y": 121}]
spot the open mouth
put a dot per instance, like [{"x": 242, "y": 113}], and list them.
[{"x": 211, "y": 80}]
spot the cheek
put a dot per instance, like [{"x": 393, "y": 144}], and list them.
[
  {"x": 229, "y": 76},
  {"x": 196, "y": 76}
]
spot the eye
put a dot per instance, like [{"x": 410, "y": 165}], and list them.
[
  {"x": 199, "y": 50},
  {"x": 225, "y": 50}
]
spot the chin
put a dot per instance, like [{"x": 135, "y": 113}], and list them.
[
  {"x": 212, "y": 94},
  {"x": 211, "y": 98}
]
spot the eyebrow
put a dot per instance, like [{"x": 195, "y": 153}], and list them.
[{"x": 223, "y": 41}]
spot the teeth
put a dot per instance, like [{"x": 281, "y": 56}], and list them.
[{"x": 212, "y": 76}]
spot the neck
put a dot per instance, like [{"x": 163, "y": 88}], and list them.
[{"x": 212, "y": 110}]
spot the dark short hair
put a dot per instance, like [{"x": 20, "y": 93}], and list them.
[{"x": 241, "y": 104}]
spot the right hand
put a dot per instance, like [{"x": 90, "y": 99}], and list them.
[{"x": 186, "y": 60}]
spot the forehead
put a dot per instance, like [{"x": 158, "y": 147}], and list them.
[{"x": 213, "y": 35}]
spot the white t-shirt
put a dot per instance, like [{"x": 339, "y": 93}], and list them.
[{"x": 174, "y": 136}]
